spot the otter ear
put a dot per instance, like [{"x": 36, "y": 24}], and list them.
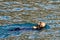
[{"x": 34, "y": 27}]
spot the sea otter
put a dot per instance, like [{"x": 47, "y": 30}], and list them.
[{"x": 40, "y": 25}]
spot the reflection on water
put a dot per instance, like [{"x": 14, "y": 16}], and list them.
[{"x": 21, "y": 11}]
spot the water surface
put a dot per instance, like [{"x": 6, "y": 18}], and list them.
[{"x": 32, "y": 11}]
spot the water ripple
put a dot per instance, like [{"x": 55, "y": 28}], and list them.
[
  {"x": 49, "y": 13},
  {"x": 5, "y": 18},
  {"x": 31, "y": 8},
  {"x": 10, "y": 3}
]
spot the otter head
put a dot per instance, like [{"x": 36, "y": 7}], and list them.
[{"x": 40, "y": 24}]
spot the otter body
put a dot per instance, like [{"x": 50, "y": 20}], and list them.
[
  {"x": 15, "y": 29},
  {"x": 38, "y": 26}
]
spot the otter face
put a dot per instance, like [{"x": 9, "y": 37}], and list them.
[{"x": 41, "y": 24}]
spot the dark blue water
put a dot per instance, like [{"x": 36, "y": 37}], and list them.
[
  {"x": 5, "y": 31},
  {"x": 19, "y": 11},
  {"x": 14, "y": 29}
]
